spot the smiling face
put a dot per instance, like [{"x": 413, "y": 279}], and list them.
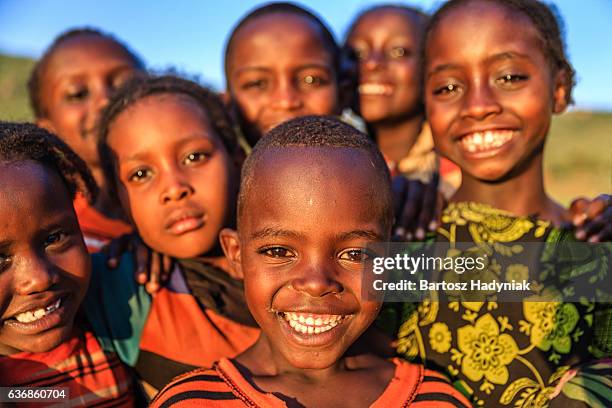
[
  {"x": 300, "y": 248},
  {"x": 386, "y": 42},
  {"x": 76, "y": 84},
  {"x": 44, "y": 266},
  {"x": 176, "y": 179},
  {"x": 279, "y": 68},
  {"x": 489, "y": 90}
]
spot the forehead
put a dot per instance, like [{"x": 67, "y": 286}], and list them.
[
  {"x": 30, "y": 189},
  {"x": 274, "y": 38},
  {"x": 156, "y": 121},
  {"x": 389, "y": 21},
  {"x": 81, "y": 51},
  {"x": 316, "y": 185},
  {"x": 479, "y": 30}
]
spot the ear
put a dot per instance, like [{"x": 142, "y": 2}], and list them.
[
  {"x": 46, "y": 124},
  {"x": 231, "y": 248},
  {"x": 560, "y": 92}
]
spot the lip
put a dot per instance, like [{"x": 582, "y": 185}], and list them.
[
  {"x": 184, "y": 220},
  {"x": 489, "y": 151},
  {"x": 314, "y": 340},
  {"x": 50, "y": 321}
]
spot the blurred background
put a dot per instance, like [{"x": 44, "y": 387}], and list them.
[{"x": 189, "y": 36}]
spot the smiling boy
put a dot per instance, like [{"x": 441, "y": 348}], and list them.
[{"x": 314, "y": 193}]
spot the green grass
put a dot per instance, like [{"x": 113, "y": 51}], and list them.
[
  {"x": 577, "y": 161},
  {"x": 14, "y": 73}
]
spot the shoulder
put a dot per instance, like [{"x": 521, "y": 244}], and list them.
[{"x": 203, "y": 386}]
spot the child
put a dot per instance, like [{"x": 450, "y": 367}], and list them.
[
  {"x": 300, "y": 251},
  {"x": 44, "y": 272},
  {"x": 68, "y": 88},
  {"x": 171, "y": 156},
  {"x": 281, "y": 62},
  {"x": 495, "y": 72},
  {"x": 386, "y": 40}
]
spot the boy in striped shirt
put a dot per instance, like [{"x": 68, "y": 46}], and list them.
[{"x": 314, "y": 193}]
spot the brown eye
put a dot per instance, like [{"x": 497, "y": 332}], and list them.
[
  {"x": 77, "y": 95},
  {"x": 139, "y": 175},
  {"x": 397, "y": 52},
  {"x": 5, "y": 261},
  {"x": 355, "y": 255},
  {"x": 277, "y": 252},
  {"x": 195, "y": 157}
]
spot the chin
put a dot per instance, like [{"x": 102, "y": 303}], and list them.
[{"x": 49, "y": 341}]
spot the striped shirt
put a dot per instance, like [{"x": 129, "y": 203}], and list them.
[
  {"x": 93, "y": 377},
  {"x": 224, "y": 386}
]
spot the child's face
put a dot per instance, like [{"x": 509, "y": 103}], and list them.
[
  {"x": 489, "y": 90},
  {"x": 176, "y": 179},
  {"x": 302, "y": 237},
  {"x": 386, "y": 43},
  {"x": 280, "y": 69},
  {"x": 76, "y": 84},
  {"x": 44, "y": 266}
]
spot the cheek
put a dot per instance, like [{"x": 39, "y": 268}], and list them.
[
  {"x": 323, "y": 101},
  {"x": 249, "y": 105}
]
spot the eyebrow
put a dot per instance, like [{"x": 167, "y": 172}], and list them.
[
  {"x": 275, "y": 233},
  {"x": 345, "y": 236},
  {"x": 507, "y": 55},
  {"x": 180, "y": 143},
  {"x": 301, "y": 67},
  {"x": 364, "y": 234}
]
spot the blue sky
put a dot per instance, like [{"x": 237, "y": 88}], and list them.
[{"x": 189, "y": 34}]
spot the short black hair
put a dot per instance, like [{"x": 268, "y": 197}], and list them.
[
  {"x": 286, "y": 8},
  {"x": 546, "y": 19},
  {"x": 144, "y": 86},
  {"x": 21, "y": 142},
  {"x": 35, "y": 80},
  {"x": 319, "y": 131},
  {"x": 419, "y": 14}
]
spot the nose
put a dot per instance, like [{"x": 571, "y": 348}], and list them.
[
  {"x": 316, "y": 281},
  {"x": 480, "y": 101},
  {"x": 373, "y": 60},
  {"x": 35, "y": 274},
  {"x": 286, "y": 96},
  {"x": 177, "y": 187}
]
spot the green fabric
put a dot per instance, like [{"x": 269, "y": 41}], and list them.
[{"x": 117, "y": 307}]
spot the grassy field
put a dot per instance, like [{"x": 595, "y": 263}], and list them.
[{"x": 578, "y": 158}]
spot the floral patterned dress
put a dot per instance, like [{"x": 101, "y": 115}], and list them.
[{"x": 501, "y": 353}]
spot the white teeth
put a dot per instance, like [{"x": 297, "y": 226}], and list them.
[
  {"x": 375, "y": 89},
  {"x": 33, "y": 315},
  {"x": 490, "y": 139},
  {"x": 312, "y": 324}
]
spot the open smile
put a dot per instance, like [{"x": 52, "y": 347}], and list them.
[
  {"x": 486, "y": 143},
  {"x": 375, "y": 89},
  {"x": 313, "y": 329},
  {"x": 40, "y": 319}
]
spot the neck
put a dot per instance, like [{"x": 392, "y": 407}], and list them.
[
  {"x": 523, "y": 194},
  {"x": 263, "y": 361},
  {"x": 396, "y": 138}
]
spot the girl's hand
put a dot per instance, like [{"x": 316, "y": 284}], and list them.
[
  {"x": 592, "y": 219},
  {"x": 417, "y": 207},
  {"x": 152, "y": 268}
]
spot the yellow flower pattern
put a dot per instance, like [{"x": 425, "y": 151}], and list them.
[
  {"x": 486, "y": 352},
  {"x": 440, "y": 337},
  {"x": 502, "y": 354}
]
